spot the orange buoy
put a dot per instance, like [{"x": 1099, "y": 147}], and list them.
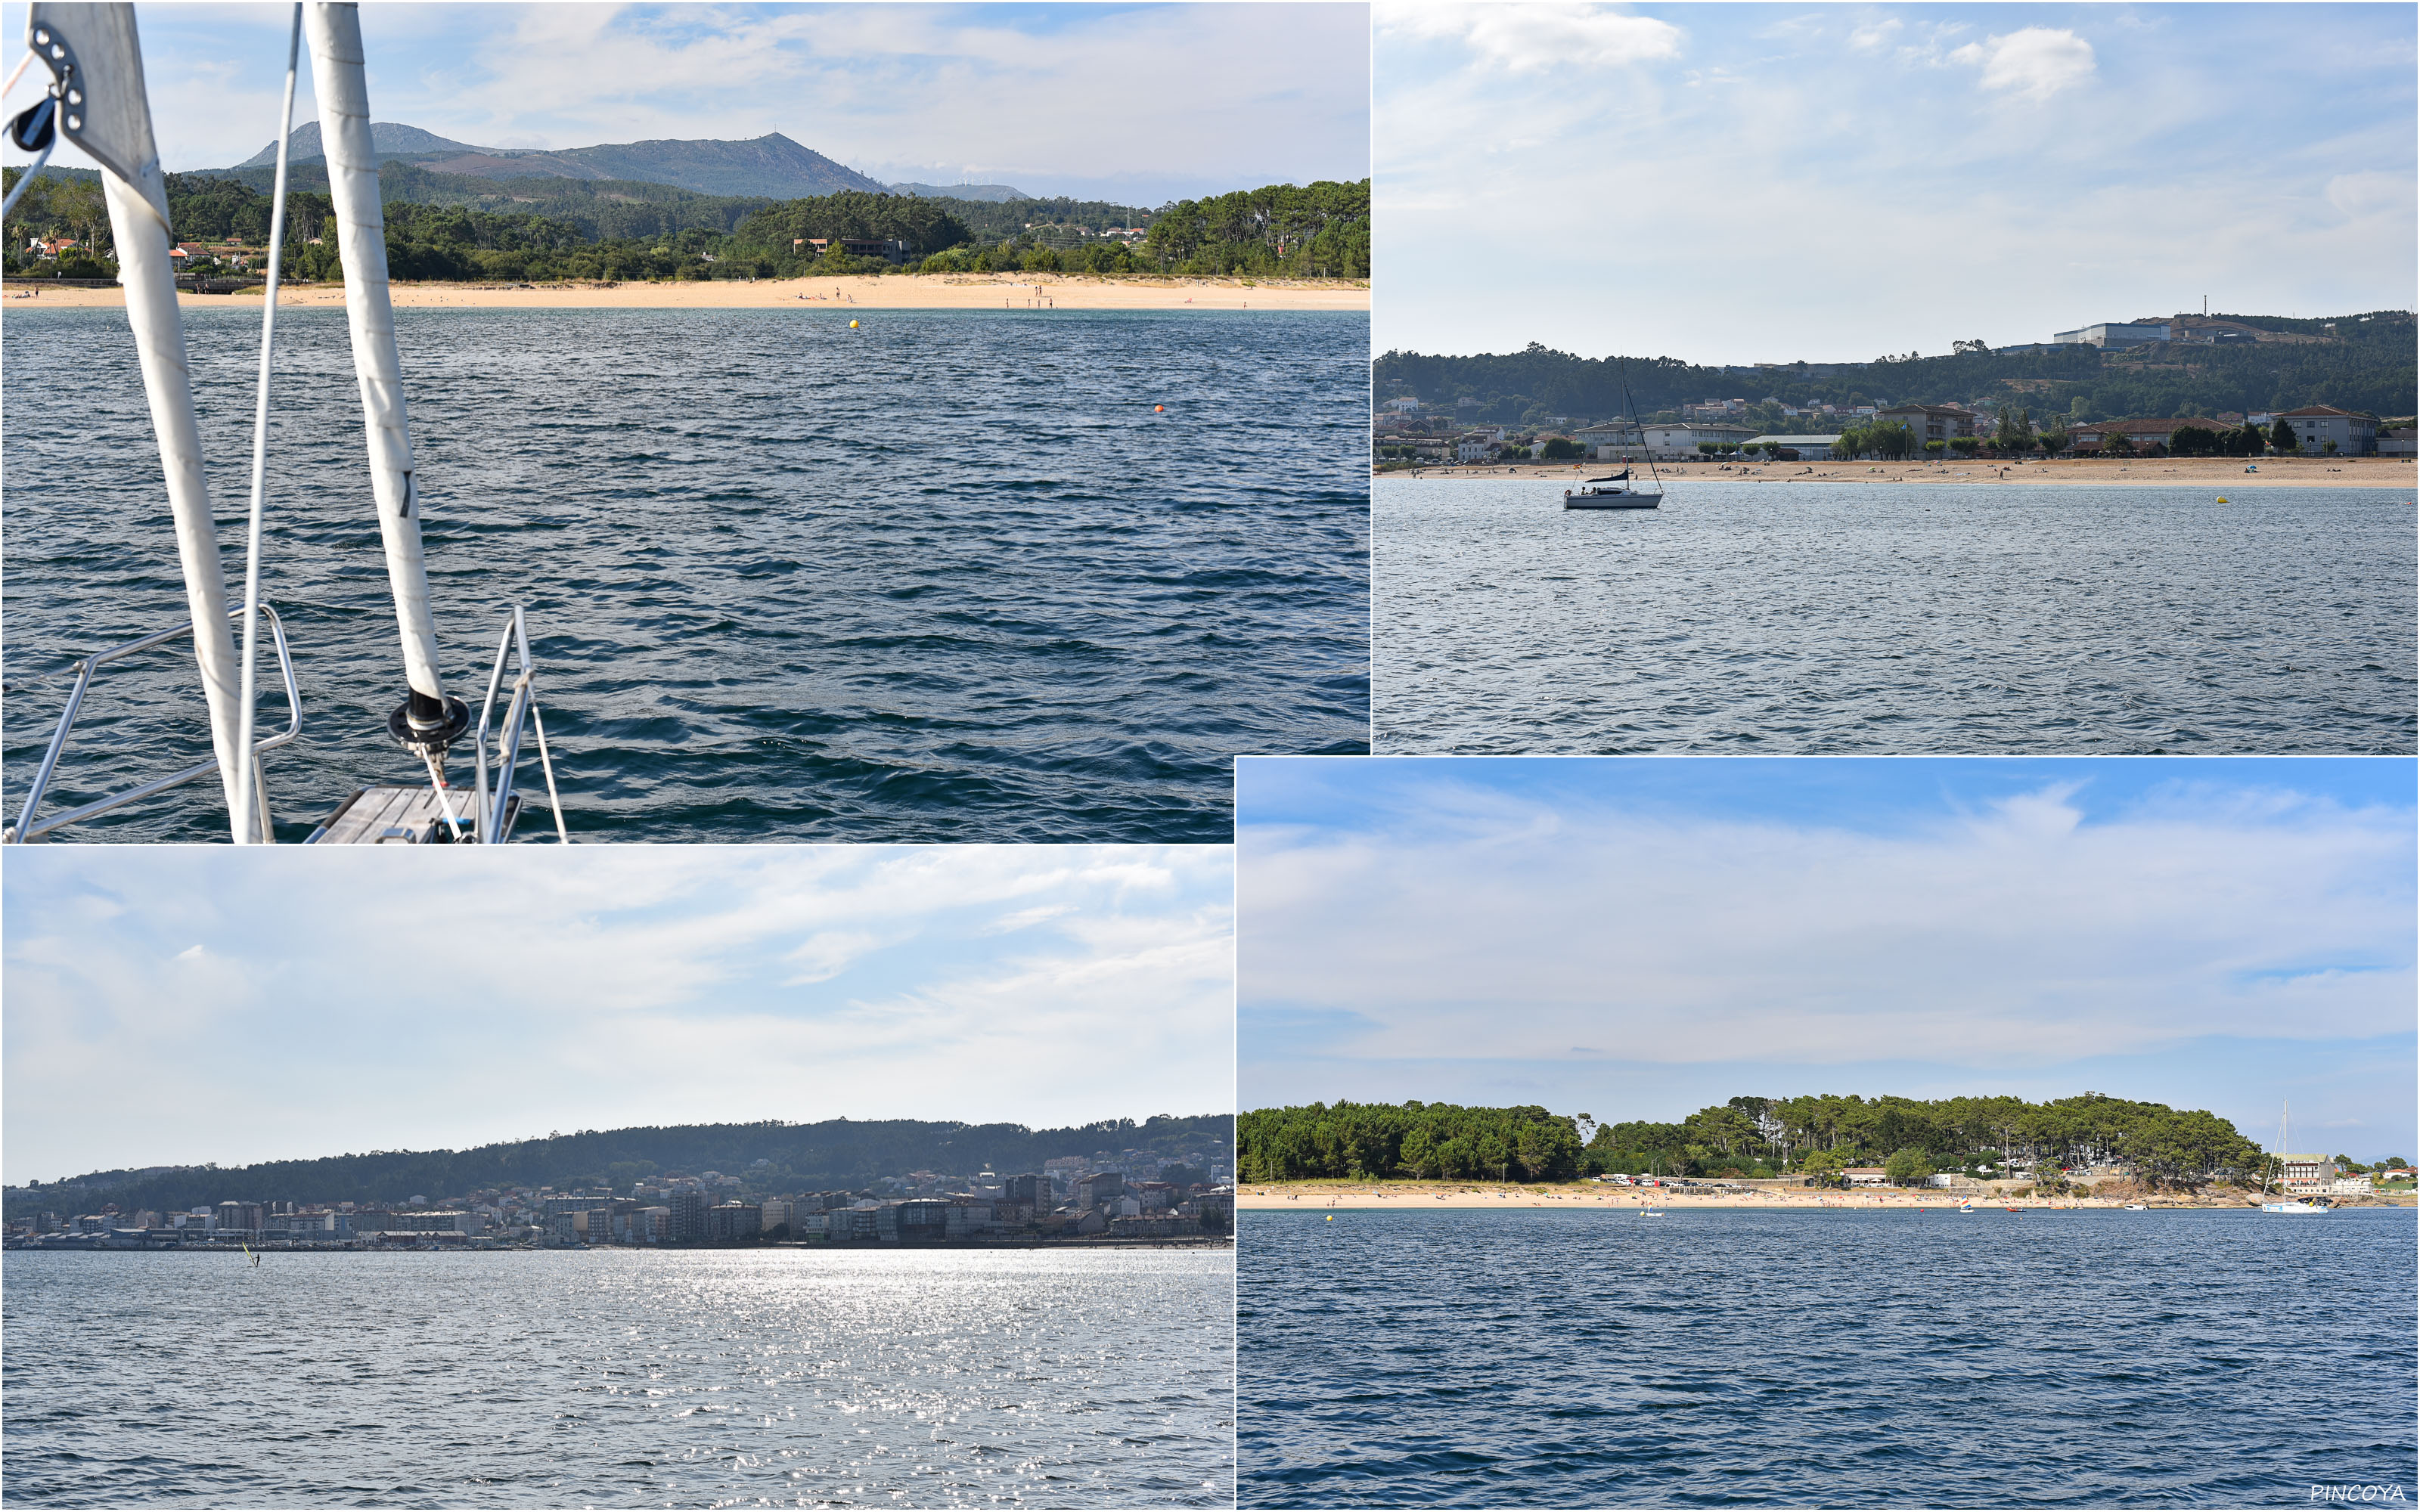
[{"x": 1159, "y": 410}]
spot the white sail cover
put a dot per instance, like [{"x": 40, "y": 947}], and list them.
[
  {"x": 337, "y": 79},
  {"x": 112, "y": 121},
  {"x": 94, "y": 51}
]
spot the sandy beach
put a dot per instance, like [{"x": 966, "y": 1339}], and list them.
[
  {"x": 1341, "y": 1195},
  {"x": 2222, "y": 474},
  {"x": 939, "y": 291}
]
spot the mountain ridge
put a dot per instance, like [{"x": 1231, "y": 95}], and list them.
[{"x": 771, "y": 166}]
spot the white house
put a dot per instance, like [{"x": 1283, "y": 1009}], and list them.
[
  {"x": 1866, "y": 1176},
  {"x": 1810, "y": 448}
]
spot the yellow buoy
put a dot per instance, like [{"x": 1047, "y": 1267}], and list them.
[
  {"x": 1331, "y": 1218},
  {"x": 2222, "y": 498},
  {"x": 852, "y": 324}
]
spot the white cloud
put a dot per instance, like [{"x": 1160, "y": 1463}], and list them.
[
  {"x": 2034, "y": 63},
  {"x": 1531, "y": 38},
  {"x": 2368, "y": 192},
  {"x": 2018, "y": 935},
  {"x": 603, "y": 986},
  {"x": 1874, "y": 36}
]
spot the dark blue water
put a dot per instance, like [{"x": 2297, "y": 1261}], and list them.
[
  {"x": 1864, "y": 618},
  {"x": 786, "y": 1377},
  {"x": 1832, "y": 1358},
  {"x": 949, "y": 577}
]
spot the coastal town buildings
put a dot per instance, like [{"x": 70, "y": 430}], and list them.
[{"x": 1131, "y": 1195}]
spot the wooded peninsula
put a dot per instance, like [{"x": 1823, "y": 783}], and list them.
[{"x": 1816, "y": 1137}]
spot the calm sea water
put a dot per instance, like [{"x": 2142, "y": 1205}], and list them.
[
  {"x": 1854, "y": 618},
  {"x": 947, "y": 577},
  {"x": 763, "y": 1379},
  {"x": 1823, "y": 1359}
]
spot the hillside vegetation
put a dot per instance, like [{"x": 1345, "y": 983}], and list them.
[
  {"x": 839, "y": 1153},
  {"x": 455, "y": 227},
  {"x": 2368, "y": 366}
]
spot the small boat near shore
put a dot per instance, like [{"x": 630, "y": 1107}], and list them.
[
  {"x": 1615, "y": 491},
  {"x": 1611, "y": 492}
]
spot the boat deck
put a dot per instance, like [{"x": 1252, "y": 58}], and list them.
[{"x": 395, "y": 815}]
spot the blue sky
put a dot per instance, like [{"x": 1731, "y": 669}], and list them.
[
  {"x": 1735, "y": 183},
  {"x": 1638, "y": 937},
  {"x": 1135, "y": 103},
  {"x": 173, "y": 1005}
]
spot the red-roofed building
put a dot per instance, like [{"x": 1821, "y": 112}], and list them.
[{"x": 2316, "y": 425}]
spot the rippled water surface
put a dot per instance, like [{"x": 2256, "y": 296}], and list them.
[
  {"x": 1940, "y": 618},
  {"x": 781, "y": 1379},
  {"x": 1823, "y": 1359},
  {"x": 947, "y": 577}
]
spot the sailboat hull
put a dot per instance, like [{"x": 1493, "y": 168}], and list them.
[{"x": 1603, "y": 500}]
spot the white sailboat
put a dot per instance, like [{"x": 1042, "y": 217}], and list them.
[
  {"x": 2286, "y": 1204},
  {"x": 97, "y": 99},
  {"x": 1616, "y": 490}
]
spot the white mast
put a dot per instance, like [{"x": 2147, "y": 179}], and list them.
[
  {"x": 428, "y": 720},
  {"x": 105, "y": 110}
]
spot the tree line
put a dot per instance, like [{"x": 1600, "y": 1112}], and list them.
[
  {"x": 1376, "y": 1140},
  {"x": 1746, "y": 1136},
  {"x": 2368, "y": 367},
  {"x": 444, "y": 226},
  {"x": 837, "y": 1153}
]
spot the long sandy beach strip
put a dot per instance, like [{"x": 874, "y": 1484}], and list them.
[
  {"x": 2220, "y": 474},
  {"x": 1588, "y": 1196},
  {"x": 935, "y": 291}
]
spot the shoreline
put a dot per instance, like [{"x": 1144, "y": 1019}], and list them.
[
  {"x": 2222, "y": 474},
  {"x": 898, "y": 291},
  {"x": 1591, "y": 1196}
]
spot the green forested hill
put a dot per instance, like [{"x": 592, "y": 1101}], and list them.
[
  {"x": 838, "y": 1154},
  {"x": 2368, "y": 366},
  {"x": 451, "y": 227},
  {"x": 1745, "y": 1136}
]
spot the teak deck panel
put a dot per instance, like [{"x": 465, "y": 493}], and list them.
[{"x": 394, "y": 815}]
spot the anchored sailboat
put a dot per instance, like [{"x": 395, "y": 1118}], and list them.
[
  {"x": 1616, "y": 490},
  {"x": 2289, "y": 1205},
  {"x": 97, "y": 99}
]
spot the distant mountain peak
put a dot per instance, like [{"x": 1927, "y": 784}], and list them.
[
  {"x": 388, "y": 137},
  {"x": 986, "y": 193}
]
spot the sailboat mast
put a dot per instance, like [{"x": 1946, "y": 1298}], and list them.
[
  {"x": 1644, "y": 450},
  {"x": 97, "y": 57},
  {"x": 428, "y": 721}
]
